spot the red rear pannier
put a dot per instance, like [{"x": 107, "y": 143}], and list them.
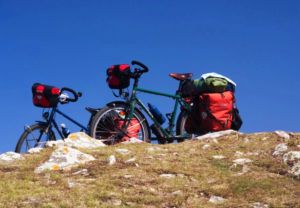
[
  {"x": 45, "y": 96},
  {"x": 133, "y": 128},
  {"x": 118, "y": 76},
  {"x": 216, "y": 111}
]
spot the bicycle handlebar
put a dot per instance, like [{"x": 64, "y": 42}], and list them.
[
  {"x": 76, "y": 95},
  {"x": 145, "y": 68}
]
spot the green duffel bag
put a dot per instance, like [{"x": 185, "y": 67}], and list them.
[
  {"x": 211, "y": 84},
  {"x": 216, "y": 84}
]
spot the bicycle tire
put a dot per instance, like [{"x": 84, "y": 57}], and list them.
[
  {"x": 103, "y": 125},
  {"x": 180, "y": 126},
  {"x": 28, "y": 140}
]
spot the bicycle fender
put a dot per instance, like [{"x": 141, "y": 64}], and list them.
[{"x": 43, "y": 123}]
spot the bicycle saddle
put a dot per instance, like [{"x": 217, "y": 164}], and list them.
[{"x": 181, "y": 77}]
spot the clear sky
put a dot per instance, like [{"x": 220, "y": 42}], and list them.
[{"x": 71, "y": 43}]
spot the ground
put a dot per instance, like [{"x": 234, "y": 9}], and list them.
[{"x": 188, "y": 174}]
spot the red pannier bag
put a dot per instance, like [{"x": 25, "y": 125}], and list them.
[
  {"x": 133, "y": 128},
  {"x": 118, "y": 76},
  {"x": 45, "y": 96},
  {"x": 215, "y": 110}
]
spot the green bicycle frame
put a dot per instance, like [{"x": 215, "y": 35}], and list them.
[{"x": 168, "y": 132}]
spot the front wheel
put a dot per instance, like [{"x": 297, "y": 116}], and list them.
[
  {"x": 109, "y": 125},
  {"x": 35, "y": 135}
]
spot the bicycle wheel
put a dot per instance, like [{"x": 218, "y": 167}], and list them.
[
  {"x": 180, "y": 127},
  {"x": 194, "y": 128},
  {"x": 108, "y": 125},
  {"x": 34, "y": 136}
]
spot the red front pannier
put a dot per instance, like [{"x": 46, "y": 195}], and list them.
[
  {"x": 45, "y": 96},
  {"x": 215, "y": 110},
  {"x": 133, "y": 128},
  {"x": 118, "y": 76}
]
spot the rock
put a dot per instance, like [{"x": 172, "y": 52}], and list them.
[
  {"x": 64, "y": 158},
  {"x": 54, "y": 143},
  {"x": 71, "y": 184},
  {"x": 177, "y": 193},
  {"x": 128, "y": 176},
  {"x": 132, "y": 140},
  {"x": 81, "y": 172},
  {"x": 280, "y": 149},
  {"x": 239, "y": 154},
  {"x": 291, "y": 157},
  {"x": 295, "y": 171},
  {"x": 206, "y": 146},
  {"x": 82, "y": 140},
  {"x": 123, "y": 151},
  {"x": 283, "y": 134},
  {"x": 180, "y": 175},
  {"x": 168, "y": 176},
  {"x": 10, "y": 157},
  {"x": 216, "y": 134},
  {"x": 245, "y": 169},
  {"x": 35, "y": 150},
  {"x": 111, "y": 160},
  {"x": 242, "y": 161},
  {"x": 259, "y": 205},
  {"x": 131, "y": 160},
  {"x": 216, "y": 200},
  {"x": 218, "y": 157},
  {"x": 115, "y": 202}
]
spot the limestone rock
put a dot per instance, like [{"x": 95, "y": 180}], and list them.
[
  {"x": 54, "y": 143},
  {"x": 64, "y": 158},
  {"x": 35, "y": 150},
  {"x": 206, "y": 146},
  {"x": 111, "y": 160},
  {"x": 280, "y": 149},
  {"x": 218, "y": 157},
  {"x": 10, "y": 157},
  {"x": 168, "y": 176},
  {"x": 131, "y": 160},
  {"x": 123, "y": 151},
  {"x": 295, "y": 171},
  {"x": 132, "y": 141},
  {"x": 177, "y": 193},
  {"x": 216, "y": 134},
  {"x": 291, "y": 157},
  {"x": 82, "y": 140},
  {"x": 216, "y": 200},
  {"x": 283, "y": 134},
  {"x": 259, "y": 205},
  {"x": 242, "y": 161}
]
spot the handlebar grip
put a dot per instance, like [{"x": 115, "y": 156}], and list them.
[
  {"x": 75, "y": 94},
  {"x": 145, "y": 68}
]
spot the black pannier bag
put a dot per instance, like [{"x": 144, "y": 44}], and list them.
[
  {"x": 45, "y": 96},
  {"x": 237, "y": 121},
  {"x": 118, "y": 76}
]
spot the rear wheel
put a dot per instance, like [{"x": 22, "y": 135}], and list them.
[
  {"x": 180, "y": 127},
  {"x": 34, "y": 136},
  {"x": 109, "y": 125}
]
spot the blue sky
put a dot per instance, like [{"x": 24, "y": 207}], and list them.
[{"x": 71, "y": 43}]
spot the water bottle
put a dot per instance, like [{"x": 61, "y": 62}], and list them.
[
  {"x": 65, "y": 130},
  {"x": 157, "y": 114}
]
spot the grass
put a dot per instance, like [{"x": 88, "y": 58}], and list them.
[{"x": 198, "y": 176}]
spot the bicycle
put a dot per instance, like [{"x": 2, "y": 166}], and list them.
[
  {"x": 36, "y": 135},
  {"x": 104, "y": 127}
]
